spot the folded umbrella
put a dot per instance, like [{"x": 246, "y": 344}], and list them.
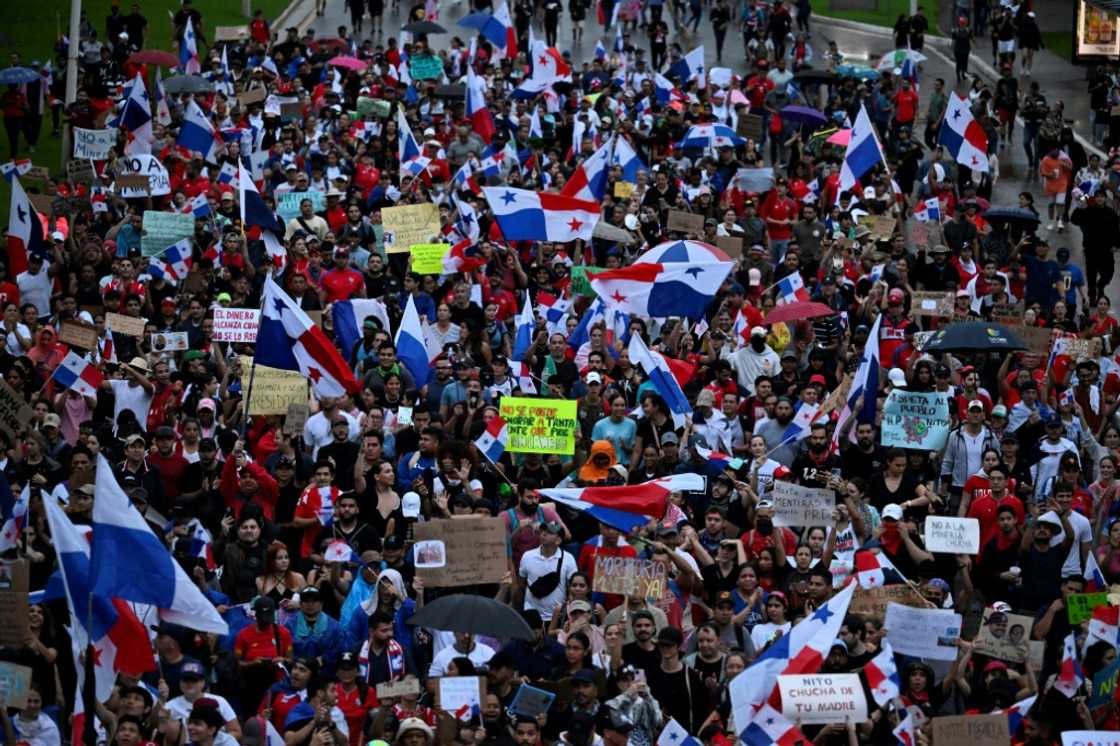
[
  {"x": 475, "y": 614},
  {"x": 803, "y": 115},
  {"x": 154, "y": 57},
  {"x": 797, "y": 312},
  {"x": 974, "y": 335},
  {"x": 350, "y": 63}
]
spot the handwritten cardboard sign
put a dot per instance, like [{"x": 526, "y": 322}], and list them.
[
  {"x": 162, "y": 229},
  {"x": 230, "y": 33},
  {"x": 750, "y": 127},
  {"x": 15, "y": 681},
  {"x": 455, "y": 692},
  {"x": 78, "y": 334},
  {"x": 1003, "y": 636},
  {"x": 252, "y": 96},
  {"x": 730, "y": 245},
  {"x": 93, "y": 145},
  {"x": 795, "y": 505},
  {"x": 14, "y": 584},
  {"x": 631, "y": 576},
  {"x": 623, "y": 189},
  {"x": 38, "y": 173},
  {"x": 540, "y": 425},
  {"x": 476, "y": 551},
  {"x": 159, "y": 181},
  {"x": 923, "y": 303},
  {"x": 403, "y": 688},
  {"x": 1010, "y": 314},
  {"x": 923, "y": 633},
  {"x": 273, "y": 390},
  {"x": 971, "y": 730},
  {"x": 133, "y": 185},
  {"x": 130, "y": 326},
  {"x": 873, "y": 601},
  {"x": 236, "y": 324},
  {"x": 531, "y": 701},
  {"x": 685, "y": 222},
  {"x": 80, "y": 172},
  {"x": 14, "y": 416},
  {"x": 296, "y": 418},
  {"x": 427, "y": 258},
  {"x": 823, "y": 698},
  {"x": 406, "y": 225},
  {"x": 952, "y": 535}
]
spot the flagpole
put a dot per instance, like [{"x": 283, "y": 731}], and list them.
[
  {"x": 89, "y": 688},
  {"x": 252, "y": 374}
]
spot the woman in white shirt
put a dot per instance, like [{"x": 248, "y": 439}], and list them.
[
  {"x": 776, "y": 608},
  {"x": 17, "y": 335},
  {"x": 762, "y": 467},
  {"x": 443, "y": 332}
]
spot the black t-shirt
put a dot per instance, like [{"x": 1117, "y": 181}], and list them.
[
  {"x": 856, "y": 463},
  {"x": 647, "y": 660},
  {"x": 682, "y": 695},
  {"x": 812, "y": 472},
  {"x": 360, "y": 538}
]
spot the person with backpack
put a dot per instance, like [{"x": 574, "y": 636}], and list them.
[
  {"x": 523, "y": 520},
  {"x": 543, "y": 572}
]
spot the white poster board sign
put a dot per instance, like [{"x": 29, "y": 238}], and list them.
[
  {"x": 93, "y": 145},
  {"x": 823, "y": 698},
  {"x": 795, "y": 505},
  {"x": 952, "y": 535},
  {"x": 236, "y": 324},
  {"x": 1091, "y": 738},
  {"x": 159, "y": 182},
  {"x": 923, "y": 633}
]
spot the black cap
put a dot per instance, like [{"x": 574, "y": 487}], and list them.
[
  {"x": 393, "y": 542},
  {"x": 310, "y": 593},
  {"x": 347, "y": 660},
  {"x": 585, "y": 675},
  {"x": 207, "y": 444},
  {"x": 206, "y": 710},
  {"x": 264, "y": 605}
]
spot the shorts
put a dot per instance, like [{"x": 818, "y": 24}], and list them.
[
  {"x": 1005, "y": 115},
  {"x": 1059, "y": 198},
  {"x": 1007, "y": 47}
]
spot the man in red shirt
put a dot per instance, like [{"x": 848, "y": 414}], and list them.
[
  {"x": 779, "y": 211},
  {"x": 607, "y": 544},
  {"x": 905, "y": 106},
  {"x": 172, "y": 465},
  {"x": 342, "y": 282}
]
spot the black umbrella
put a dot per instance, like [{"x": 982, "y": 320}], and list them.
[
  {"x": 1011, "y": 215},
  {"x": 974, "y": 335},
  {"x": 187, "y": 84},
  {"x": 818, "y": 77},
  {"x": 475, "y": 614},
  {"x": 424, "y": 27},
  {"x": 453, "y": 90}
]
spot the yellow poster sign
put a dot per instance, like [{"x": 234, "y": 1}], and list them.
[
  {"x": 406, "y": 225},
  {"x": 273, "y": 389},
  {"x": 427, "y": 258},
  {"x": 540, "y": 425}
]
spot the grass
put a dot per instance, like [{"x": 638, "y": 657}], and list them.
[
  {"x": 885, "y": 13},
  {"x": 1060, "y": 43},
  {"x": 35, "y": 26}
]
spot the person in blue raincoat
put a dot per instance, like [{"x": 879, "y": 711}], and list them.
[
  {"x": 391, "y": 598},
  {"x": 316, "y": 635}
]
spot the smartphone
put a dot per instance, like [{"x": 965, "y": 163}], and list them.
[
  {"x": 640, "y": 676},
  {"x": 404, "y": 415}
]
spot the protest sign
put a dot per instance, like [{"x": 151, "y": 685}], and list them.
[
  {"x": 623, "y": 189},
  {"x": 795, "y": 505},
  {"x": 823, "y": 698},
  {"x": 129, "y": 326},
  {"x": 457, "y": 692},
  {"x": 162, "y": 229},
  {"x": 230, "y": 33},
  {"x": 475, "y": 551},
  {"x": 78, "y": 334},
  {"x": 881, "y": 226},
  {"x": 272, "y": 389},
  {"x": 919, "y": 235},
  {"x": 924, "y": 303},
  {"x": 236, "y": 324},
  {"x": 540, "y": 425},
  {"x": 43, "y": 203},
  {"x": 14, "y": 412},
  {"x": 923, "y": 633},
  {"x": 93, "y": 145},
  {"x": 1090, "y": 738},
  {"x": 296, "y": 418},
  {"x": 38, "y": 173},
  {"x": 750, "y": 127},
  {"x": 287, "y": 205},
  {"x": 531, "y": 701},
  {"x": 730, "y": 245},
  {"x": 14, "y": 584},
  {"x": 1079, "y": 606},
  {"x": 1037, "y": 339},
  {"x": 1003, "y": 636},
  {"x": 685, "y": 222},
  {"x": 251, "y": 96},
  {"x": 170, "y": 342},
  {"x": 873, "y": 601},
  {"x": 80, "y": 172},
  {"x": 952, "y": 535},
  {"x": 430, "y": 553},
  {"x": 406, "y": 686},
  {"x": 754, "y": 180},
  {"x": 1104, "y": 684},
  {"x": 427, "y": 258},
  {"x": 630, "y": 576},
  {"x": 580, "y": 284},
  {"x": 425, "y": 66},
  {"x": 15, "y": 681},
  {"x": 159, "y": 181},
  {"x": 971, "y": 730},
  {"x": 916, "y": 420},
  {"x": 137, "y": 185},
  {"x": 1009, "y": 314},
  {"x": 406, "y": 225}
]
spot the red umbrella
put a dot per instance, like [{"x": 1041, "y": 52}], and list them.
[
  {"x": 153, "y": 57},
  {"x": 798, "y": 311},
  {"x": 350, "y": 63}
]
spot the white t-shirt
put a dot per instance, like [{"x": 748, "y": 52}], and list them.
[
  {"x": 180, "y": 709},
  {"x": 317, "y": 431},
  {"x": 533, "y": 566},
  {"x": 36, "y": 289},
  {"x": 1082, "y": 532},
  {"x": 127, "y": 396},
  {"x": 763, "y": 633},
  {"x": 479, "y": 656},
  {"x": 41, "y": 731},
  {"x": 12, "y": 342}
]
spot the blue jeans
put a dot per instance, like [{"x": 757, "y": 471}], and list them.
[
  {"x": 1030, "y": 143},
  {"x": 778, "y": 249}
]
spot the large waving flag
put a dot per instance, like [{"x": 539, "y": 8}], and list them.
[
  {"x": 408, "y": 149},
  {"x": 348, "y": 316},
  {"x": 874, "y": 569},
  {"x": 197, "y": 133},
  {"x": 188, "y": 50},
  {"x": 863, "y": 153},
  {"x": 496, "y": 28},
  {"x": 553, "y": 309},
  {"x": 173, "y": 263},
  {"x": 771, "y": 728},
  {"x": 803, "y": 417},
  {"x": 688, "y": 68},
  {"x": 163, "y": 113},
  {"x": 589, "y": 180},
  {"x": 791, "y": 289},
  {"x": 131, "y": 563},
  {"x": 523, "y": 215},
  {"x": 494, "y": 440},
  {"x": 625, "y": 157},
  {"x": 1070, "y": 678},
  {"x": 477, "y": 110},
  {"x": 1105, "y": 625},
  {"x": 1094, "y": 578},
  {"x": 526, "y": 325},
  {"x": 119, "y": 639},
  {"x": 674, "y": 734},
  {"x": 802, "y": 650},
  {"x": 548, "y": 64},
  {"x": 75, "y": 373},
  {"x": 136, "y": 119},
  {"x": 25, "y": 231},
  {"x": 881, "y": 673},
  {"x": 254, "y": 212},
  {"x": 928, "y": 211},
  {"x": 289, "y": 340},
  {"x": 658, "y": 290},
  {"x": 655, "y": 366},
  {"x": 963, "y": 136},
  {"x": 664, "y": 90},
  {"x": 627, "y": 507},
  {"x": 410, "y": 344},
  {"x": 866, "y": 380}
]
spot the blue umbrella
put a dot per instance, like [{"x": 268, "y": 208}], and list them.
[
  {"x": 17, "y": 76},
  {"x": 804, "y": 115},
  {"x": 710, "y": 136},
  {"x": 1011, "y": 215},
  {"x": 863, "y": 72},
  {"x": 974, "y": 335}
]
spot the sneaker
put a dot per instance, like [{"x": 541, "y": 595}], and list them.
[
  {"x": 1061, "y": 226},
  {"x": 1049, "y": 226}
]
